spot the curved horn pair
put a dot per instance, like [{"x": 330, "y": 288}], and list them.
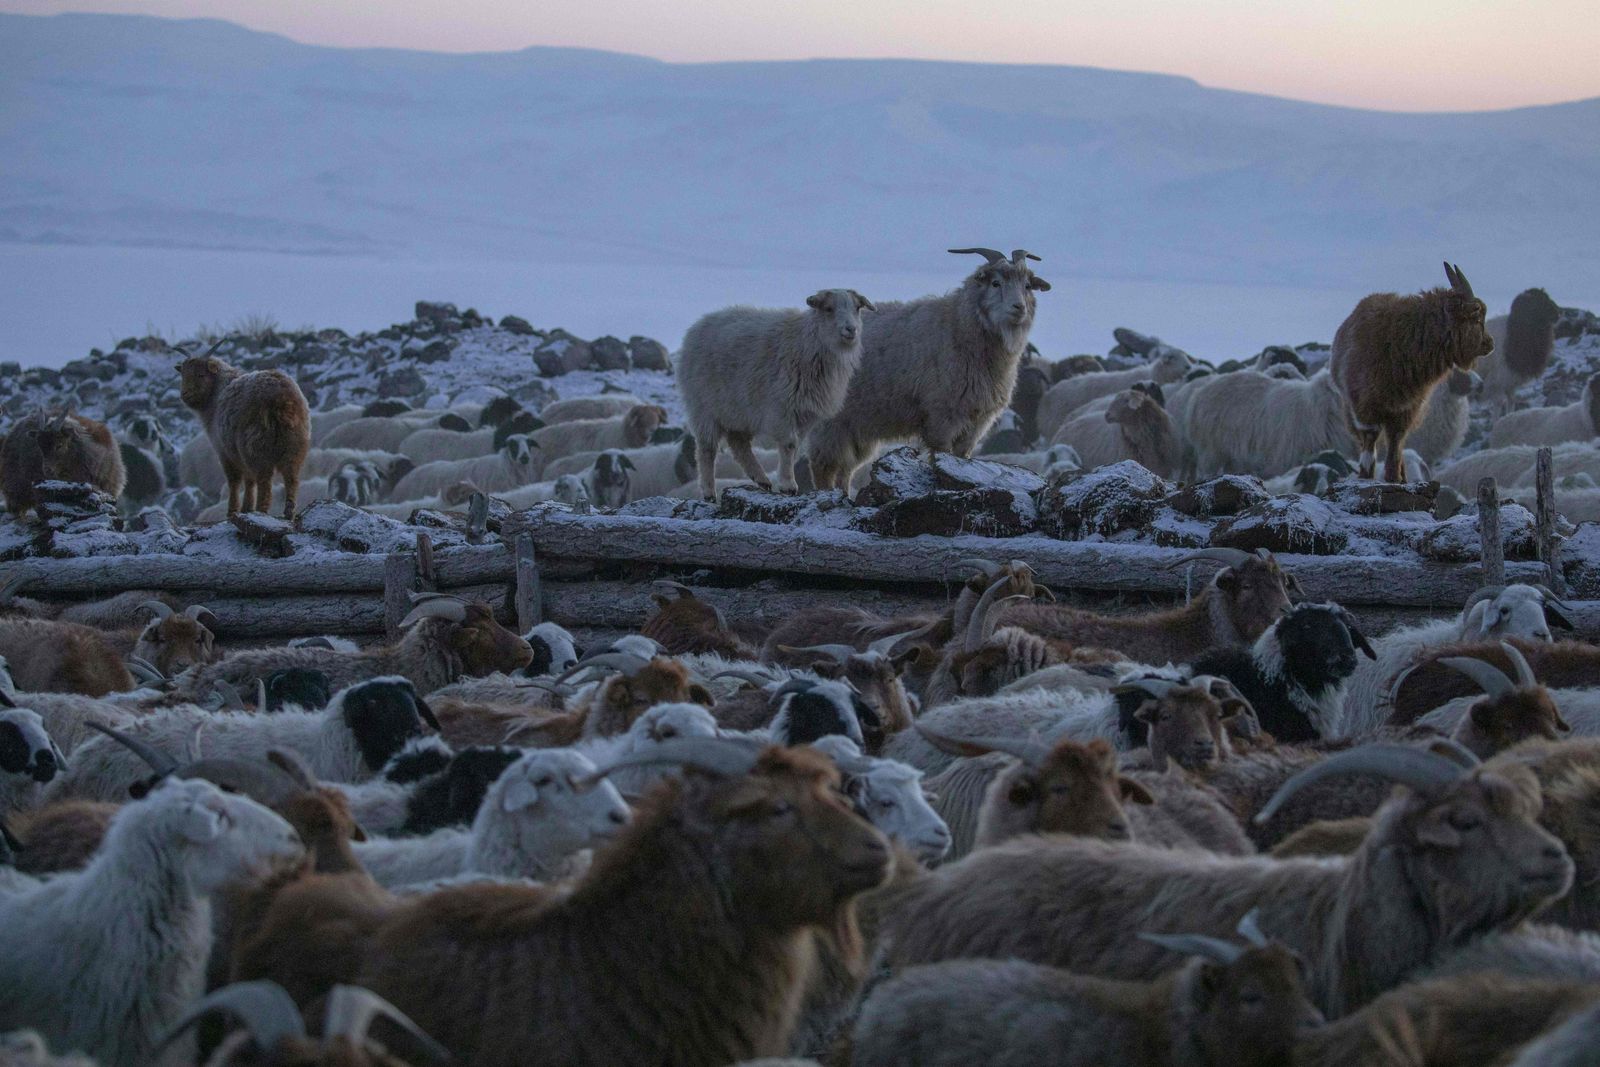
[
  {"x": 1233, "y": 557},
  {"x": 755, "y": 679},
  {"x": 1425, "y": 772},
  {"x": 1492, "y": 679},
  {"x": 886, "y": 645},
  {"x": 836, "y": 652},
  {"x": 1458, "y": 280},
  {"x": 156, "y": 608},
  {"x": 270, "y": 1016},
  {"x": 159, "y": 761},
  {"x": 677, "y": 587},
  {"x": 625, "y": 662}
]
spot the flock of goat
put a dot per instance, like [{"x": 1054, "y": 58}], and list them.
[
  {"x": 1239, "y": 831},
  {"x": 1011, "y": 832}
]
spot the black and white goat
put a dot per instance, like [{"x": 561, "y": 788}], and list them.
[
  {"x": 554, "y": 650},
  {"x": 29, "y": 759},
  {"x": 1296, "y": 673}
]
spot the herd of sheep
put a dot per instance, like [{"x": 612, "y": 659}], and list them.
[{"x": 1247, "y": 830}]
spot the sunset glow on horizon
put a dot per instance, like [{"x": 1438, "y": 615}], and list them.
[{"x": 1411, "y": 55}]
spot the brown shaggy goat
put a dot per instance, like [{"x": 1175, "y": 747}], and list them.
[
  {"x": 67, "y": 448},
  {"x": 62, "y": 657},
  {"x": 1524, "y": 340},
  {"x": 1390, "y": 353},
  {"x": 258, "y": 423},
  {"x": 685, "y": 624},
  {"x": 688, "y": 942}
]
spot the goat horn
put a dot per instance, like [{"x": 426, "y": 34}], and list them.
[
  {"x": 266, "y": 1010},
  {"x": 794, "y": 685},
  {"x": 196, "y": 611},
  {"x": 1483, "y": 592},
  {"x": 1550, "y": 595},
  {"x": 1425, "y": 772},
  {"x": 229, "y": 692},
  {"x": 987, "y": 253},
  {"x": 1211, "y": 948},
  {"x": 291, "y": 764},
  {"x": 678, "y": 587},
  {"x": 626, "y": 662},
  {"x": 158, "y": 760},
  {"x": 988, "y": 566},
  {"x": 434, "y": 606},
  {"x": 725, "y": 757},
  {"x": 9, "y": 845},
  {"x": 1250, "y": 928},
  {"x": 144, "y": 670},
  {"x": 1020, "y": 254},
  {"x": 1233, "y": 557},
  {"x": 1454, "y": 751},
  {"x": 1519, "y": 662},
  {"x": 757, "y": 680},
  {"x": 13, "y": 586},
  {"x": 1490, "y": 679},
  {"x": 1458, "y": 279},
  {"x": 885, "y": 644},
  {"x": 157, "y": 608},
  {"x": 352, "y": 1009},
  {"x": 836, "y": 652},
  {"x": 978, "y": 628},
  {"x": 1044, "y": 591},
  {"x": 1031, "y": 752}
]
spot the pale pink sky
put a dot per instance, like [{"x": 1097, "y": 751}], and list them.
[{"x": 1422, "y": 55}]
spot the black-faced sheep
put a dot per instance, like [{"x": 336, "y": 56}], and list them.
[
  {"x": 749, "y": 372},
  {"x": 258, "y": 423},
  {"x": 940, "y": 369},
  {"x": 1390, "y": 353}
]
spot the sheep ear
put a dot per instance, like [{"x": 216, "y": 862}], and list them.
[
  {"x": 1133, "y": 792},
  {"x": 1036, "y": 282},
  {"x": 627, "y": 464},
  {"x": 1148, "y": 713},
  {"x": 816, "y": 300},
  {"x": 862, "y": 302},
  {"x": 1554, "y": 619},
  {"x": 699, "y": 694},
  {"x": 519, "y": 795}
]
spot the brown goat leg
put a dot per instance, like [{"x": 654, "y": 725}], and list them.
[
  {"x": 1394, "y": 460},
  {"x": 291, "y": 489},
  {"x": 236, "y": 483},
  {"x": 1367, "y": 439}
]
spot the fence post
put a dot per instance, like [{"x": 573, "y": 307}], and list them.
[
  {"x": 1545, "y": 517},
  {"x": 1493, "y": 550},
  {"x": 530, "y": 611},
  {"x": 477, "y": 518},
  {"x": 399, "y": 580}
]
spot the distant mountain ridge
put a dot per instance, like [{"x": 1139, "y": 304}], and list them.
[{"x": 139, "y": 131}]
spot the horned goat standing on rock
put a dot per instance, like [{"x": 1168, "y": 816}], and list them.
[
  {"x": 751, "y": 372},
  {"x": 258, "y": 423},
  {"x": 939, "y": 368},
  {"x": 1391, "y": 352}
]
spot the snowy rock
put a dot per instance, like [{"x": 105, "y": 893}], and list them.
[
  {"x": 656, "y": 507},
  {"x": 402, "y": 383},
  {"x": 1105, "y": 501},
  {"x": 1457, "y": 541},
  {"x": 902, "y": 472},
  {"x": 518, "y": 325},
  {"x": 269, "y": 536},
  {"x": 435, "y": 352},
  {"x": 750, "y": 504},
  {"x": 1580, "y": 561},
  {"x": 1383, "y": 498},
  {"x": 646, "y": 352},
  {"x": 609, "y": 353},
  {"x": 1295, "y": 523},
  {"x": 988, "y": 512},
  {"x": 1170, "y": 529},
  {"x": 562, "y": 353},
  {"x": 436, "y": 313},
  {"x": 1227, "y": 495}
]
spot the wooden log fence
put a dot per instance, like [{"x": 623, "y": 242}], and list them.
[{"x": 354, "y": 593}]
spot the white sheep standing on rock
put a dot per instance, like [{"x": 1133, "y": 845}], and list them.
[
  {"x": 941, "y": 369},
  {"x": 768, "y": 372}
]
